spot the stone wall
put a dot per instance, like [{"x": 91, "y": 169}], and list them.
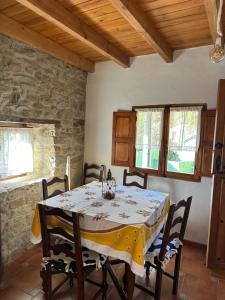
[
  {"x": 36, "y": 85},
  {"x": 17, "y": 209}
]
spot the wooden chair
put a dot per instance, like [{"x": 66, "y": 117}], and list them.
[
  {"x": 98, "y": 172},
  {"x": 54, "y": 180},
  {"x": 169, "y": 235},
  {"x": 51, "y": 267},
  {"x": 134, "y": 183}
]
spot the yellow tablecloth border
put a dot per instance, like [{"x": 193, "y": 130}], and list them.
[{"x": 128, "y": 238}]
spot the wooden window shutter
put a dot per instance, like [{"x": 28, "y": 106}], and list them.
[
  {"x": 207, "y": 142},
  {"x": 123, "y": 138}
]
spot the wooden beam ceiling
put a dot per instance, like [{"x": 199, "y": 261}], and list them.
[
  {"x": 139, "y": 20},
  {"x": 55, "y": 13},
  {"x": 181, "y": 24},
  {"x": 18, "y": 31},
  {"x": 211, "y": 10}
]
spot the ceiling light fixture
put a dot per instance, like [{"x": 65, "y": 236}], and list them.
[{"x": 217, "y": 53}]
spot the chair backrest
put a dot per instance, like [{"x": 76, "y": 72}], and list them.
[
  {"x": 93, "y": 171},
  {"x": 46, "y": 184},
  {"x": 143, "y": 176},
  {"x": 172, "y": 221},
  {"x": 49, "y": 232}
]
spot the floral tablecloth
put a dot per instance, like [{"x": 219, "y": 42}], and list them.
[{"x": 123, "y": 228}]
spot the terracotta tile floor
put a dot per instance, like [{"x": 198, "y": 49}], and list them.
[{"x": 21, "y": 280}]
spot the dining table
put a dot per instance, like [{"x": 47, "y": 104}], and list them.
[{"x": 123, "y": 228}]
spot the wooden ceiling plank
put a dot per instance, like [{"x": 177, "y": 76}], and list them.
[
  {"x": 146, "y": 5},
  {"x": 143, "y": 25},
  {"x": 176, "y": 7},
  {"x": 83, "y": 5},
  {"x": 20, "y": 32},
  {"x": 4, "y": 4},
  {"x": 211, "y": 10},
  {"x": 64, "y": 19},
  {"x": 14, "y": 10}
]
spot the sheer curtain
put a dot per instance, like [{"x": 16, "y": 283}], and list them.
[
  {"x": 149, "y": 127},
  {"x": 185, "y": 124},
  {"x": 16, "y": 151}
]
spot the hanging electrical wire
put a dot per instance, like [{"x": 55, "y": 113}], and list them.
[
  {"x": 217, "y": 53},
  {"x": 219, "y": 14}
]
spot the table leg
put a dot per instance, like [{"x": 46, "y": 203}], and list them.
[{"x": 129, "y": 282}]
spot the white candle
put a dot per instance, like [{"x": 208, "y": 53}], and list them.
[{"x": 68, "y": 169}]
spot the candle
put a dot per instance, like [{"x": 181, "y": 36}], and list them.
[{"x": 68, "y": 169}]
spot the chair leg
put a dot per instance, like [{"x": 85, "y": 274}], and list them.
[
  {"x": 158, "y": 283},
  {"x": 71, "y": 282},
  {"x": 80, "y": 286},
  {"x": 130, "y": 281},
  {"x": 47, "y": 283},
  {"x": 147, "y": 271},
  {"x": 176, "y": 272},
  {"x": 104, "y": 283}
]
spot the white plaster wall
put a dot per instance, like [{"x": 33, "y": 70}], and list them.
[{"x": 191, "y": 78}]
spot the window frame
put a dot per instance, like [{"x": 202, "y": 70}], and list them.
[{"x": 162, "y": 172}]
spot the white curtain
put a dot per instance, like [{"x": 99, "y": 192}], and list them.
[
  {"x": 149, "y": 127},
  {"x": 185, "y": 126},
  {"x": 16, "y": 152}
]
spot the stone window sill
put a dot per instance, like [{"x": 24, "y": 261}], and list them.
[{"x": 9, "y": 185}]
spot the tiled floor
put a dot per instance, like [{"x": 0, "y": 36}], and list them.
[{"x": 21, "y": 280}]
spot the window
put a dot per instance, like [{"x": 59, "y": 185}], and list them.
[
  {"x": 184, "y": 138},
  {"x": 149, "y": 127},
  {"x": 16, "y": 152},
  {"x": 26, "y": 149},
  {"x": 165, "y": 140},
  {"x": 168, "y": 140}
]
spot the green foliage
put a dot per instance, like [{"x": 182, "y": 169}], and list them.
[{"x": 173, "y": 155}]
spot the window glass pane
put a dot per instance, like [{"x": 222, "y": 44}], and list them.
[
  {"x": 184, "y": 135},
  {"x": 16, "y": 151},
  {"x": 148, "y": 138}
]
